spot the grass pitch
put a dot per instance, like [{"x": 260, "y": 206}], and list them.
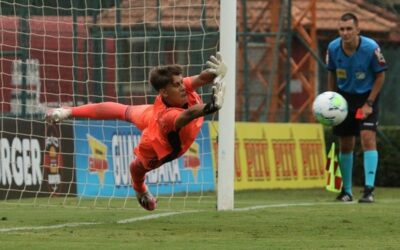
[{"x": 268, "y": 219}]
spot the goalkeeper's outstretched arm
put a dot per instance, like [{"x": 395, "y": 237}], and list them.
[{"x": 195, "y": 111}]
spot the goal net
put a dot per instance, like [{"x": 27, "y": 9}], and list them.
[{"x": 63, "y": 53}]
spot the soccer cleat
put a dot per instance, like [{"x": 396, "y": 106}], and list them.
[
  {"x": 57, "y": 115},
  {"x": 146, "y": 200},
  {"x": 368, "y": 195},
  {"x": 344, "y": 197}
]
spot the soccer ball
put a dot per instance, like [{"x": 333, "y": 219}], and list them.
[{"x": 330, "y": 108}]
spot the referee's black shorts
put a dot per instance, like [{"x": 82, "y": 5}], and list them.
[{"x": 352, "y": 126}]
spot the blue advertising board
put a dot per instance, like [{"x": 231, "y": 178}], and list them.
[{"x": 104, "y": 150}]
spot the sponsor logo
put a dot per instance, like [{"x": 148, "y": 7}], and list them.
[
  {"x": 341, "y": 73},
  {"x": 98, "y": 159},
  {"x": 360, "y": 75},
  {"x": 191, "y": 160},
  {"x": 53, "y": 160},
  {"x": 379, "y": 57},
  {"x": 368, "y": 124},
  {"x": 20, "y": 162},
  {"x": 122, "y": 146},
  {"x": 167, "y": 173},
  {"x": 122, "y": 154}
]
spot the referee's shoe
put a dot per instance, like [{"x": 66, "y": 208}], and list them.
[
  {"x": 344, "y": 196},
  {"x": 368, "y": 195}
]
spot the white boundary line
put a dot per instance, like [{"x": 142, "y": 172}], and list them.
[
  {"x": 79, "y": 224},
  {"x": 167, "y": 214},
  {"x": 292, "y": 205},
  {"x": 152, "y": 216},
  {"x": 57, "y": 226}
]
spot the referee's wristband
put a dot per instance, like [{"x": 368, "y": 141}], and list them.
[{"x": 370, "y": 103}]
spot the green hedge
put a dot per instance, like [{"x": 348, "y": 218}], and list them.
[{"x": 388, "y": 174}]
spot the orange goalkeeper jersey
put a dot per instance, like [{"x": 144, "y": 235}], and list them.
[{"x": 160, "y": 142}]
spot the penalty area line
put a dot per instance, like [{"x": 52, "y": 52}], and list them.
[
  {"x": 167, "y": 214},
  {"x": 79, "y": 224},
  {"x": 330, "y": 203},
  {"x": 292, "y": 205},
  {"x": 57, "y": 226},
  {"x": 152, "y": 216}
]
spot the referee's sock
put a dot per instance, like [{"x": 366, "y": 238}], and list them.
[
  {"x": 346, "y": 167},
  {"x": 370, "y": 166}
]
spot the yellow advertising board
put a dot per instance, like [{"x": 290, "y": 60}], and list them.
[{"x": 276, "y": 155}]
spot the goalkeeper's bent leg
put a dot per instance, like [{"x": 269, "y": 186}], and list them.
[
  {"x": 138, "y": 173},
  {"x": 144, "y": 197}
]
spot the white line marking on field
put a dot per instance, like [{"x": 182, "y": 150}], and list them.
[
  {"x": 292, "y": 205},
  {"x": 149, "y": 217},
  {"x": 77, "y": 224},
  {"x": 160, "y": 215}
]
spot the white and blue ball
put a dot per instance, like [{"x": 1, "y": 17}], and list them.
[{"x": 330, "y": 108}]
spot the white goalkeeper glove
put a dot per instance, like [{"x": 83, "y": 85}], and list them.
[
  {"x": 217, "y": 96},
  {"x": 217, "y": 66},
  {"x": 57, "y": 115},
  {"x": 218, "y": 92}
]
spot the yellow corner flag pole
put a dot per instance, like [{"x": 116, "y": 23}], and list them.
[{"x": 334, "y": 180}]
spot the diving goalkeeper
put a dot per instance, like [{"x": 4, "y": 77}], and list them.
[{"x": 169, "y": 126}]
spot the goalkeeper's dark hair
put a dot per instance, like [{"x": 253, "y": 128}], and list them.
[
  {"x": 349, "y": 16},
  {"x": 161, "y": 76}
]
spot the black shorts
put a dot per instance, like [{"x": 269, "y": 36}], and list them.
[{"x": 352, "y": 126}]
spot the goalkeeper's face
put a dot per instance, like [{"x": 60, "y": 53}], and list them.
[{"x": 174, "y": 93}]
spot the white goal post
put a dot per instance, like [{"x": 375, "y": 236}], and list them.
[{"x": 226, "y": 136}]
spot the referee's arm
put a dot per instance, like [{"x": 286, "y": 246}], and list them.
[{"x": 376, "y": 88}]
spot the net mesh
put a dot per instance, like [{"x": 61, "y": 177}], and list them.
[{"x": 69, "y": 53}]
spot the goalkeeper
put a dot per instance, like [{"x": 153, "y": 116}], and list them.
[{"x": 169, "y": 126}]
